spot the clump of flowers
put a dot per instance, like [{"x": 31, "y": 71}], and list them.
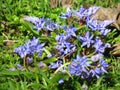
[
  {"x": 85, "y": 59},
  {"x": 29, "y": 49}
]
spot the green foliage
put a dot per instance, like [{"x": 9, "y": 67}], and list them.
[{"x": 12, "y": 27}]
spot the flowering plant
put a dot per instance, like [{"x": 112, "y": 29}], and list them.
[{"x": 76, "y": 50}]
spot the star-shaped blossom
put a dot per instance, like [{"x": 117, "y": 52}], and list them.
[
  {"x": 55, "y": 65},
  {"x": 29, "y": 48},
  {"x": 92, "y": 23},
  {"x": 65, "y": 48},
  {"x": 80, "y": 13},
  {"x": 103, "y": 65},
  {"x": 104, "y": 31},
  {"x": 66, "y": 15},
  {"x": 99, "y": 69},
  {"x": 86, "y": 40},
  {"x": 41, "y": 23},
  {"x": 70, "y": 31},
  {"x": 62, "y": 38},
  {"x": 84, "y": 13},
  {"x": 99, "y": 26},
  {"x": 100, "y": 46},
  {"x": 78, "y": 66},
  {"x": 50, "y": 25},
  {"x": 104, "y": 24}
]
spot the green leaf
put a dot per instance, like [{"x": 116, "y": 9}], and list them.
[
  {"x": 53, "y": 34},
  {"x": 58, "y": 76},
  {"x": 53, "y": 59},
  {"x": 47, "y": 51},
  {"x": 29, "y": 27},
  {"x": 35, "y": 86},
  {"x": 8, "y": 72},
  {"x": 77, "y": 85},
  {"x": 47, "y": 39}
]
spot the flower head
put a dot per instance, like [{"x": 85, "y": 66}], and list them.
[
  {"x": 41, "y": 23},
  {"x": 55, "y": 65},
  {"x": 100, "y": 46},
  {"x": 85, "y": 13},
  {"x": 99, "y": 69},
  {"x": 62, "y": 38},
  {"x": 61, "y": 81},
  {"x": 70, "y": 30},
  {"x": 96, "y": 26},
  {"x": 65, "y": 48},
  {"x": 67, "y": 15},
  {"x": 87, "y": 40},
  {"x": 78, "y": 66},
  {"x": 29, "y": 48}
]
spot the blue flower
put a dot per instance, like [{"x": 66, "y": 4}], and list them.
[
  {"x": 104, "y": 31},
  {"x": 29, "y": 60},
  {"x": 62, "y": 38},
  {"x": 103, "y": 65},
  {"x": 38, "y": 22},
  {"x": 55, "y": 65},
  {"x": 41, "y": 23},
  {"x": 92, "y": 10},
  {"x": 70, "y": 31},
  {"x": 92, "y": 23},
  {"x": 19, "y": 67},
  {"x": 97, "y": 72},
  {"x": 31, "y": 19},
  {"x": 80, "y": 13},
  {"x": 99, "y": 69},
  {"x": 86, "y": 69},
  {"x": 61, "y": 81},
  {"x": 65, "y": 48},
  {"x": 29, "y": 48},
  {"x": 96, "y": 57},
  {"x": 84, "y": 13},
  {"x": 66, "y": 15},
  {"x": 101, "y": 27},
  {"x": 78, "y": 66},
  {"x": 49, "y": 25},
  {"x": 100, "y": 46},
  {"x": 105, "y": 23},
  {"x": 87, "y": 40},
  {"x": 21, "y": 51}
]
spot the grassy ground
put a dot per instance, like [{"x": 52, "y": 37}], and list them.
[{"x": 13, "y": 32}]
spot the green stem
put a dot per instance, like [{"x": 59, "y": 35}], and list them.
[{"x": 61, "y": 67}]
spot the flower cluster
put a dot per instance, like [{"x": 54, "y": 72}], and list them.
[
  {"x": 81, "y": 13},
  {"x": 65, "y": 48},
  {"x": 81, "y": 66},
  {"x": 87, "y": 65},
  {"x": 42, "y": 24},
  {"x": 87, "y": 40},
  {"x": 85, "y": 13},
  {"x": 99, "y": 26},
  {"x": 29, "y": 48},
  {"x": 63, "y": 45}
]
